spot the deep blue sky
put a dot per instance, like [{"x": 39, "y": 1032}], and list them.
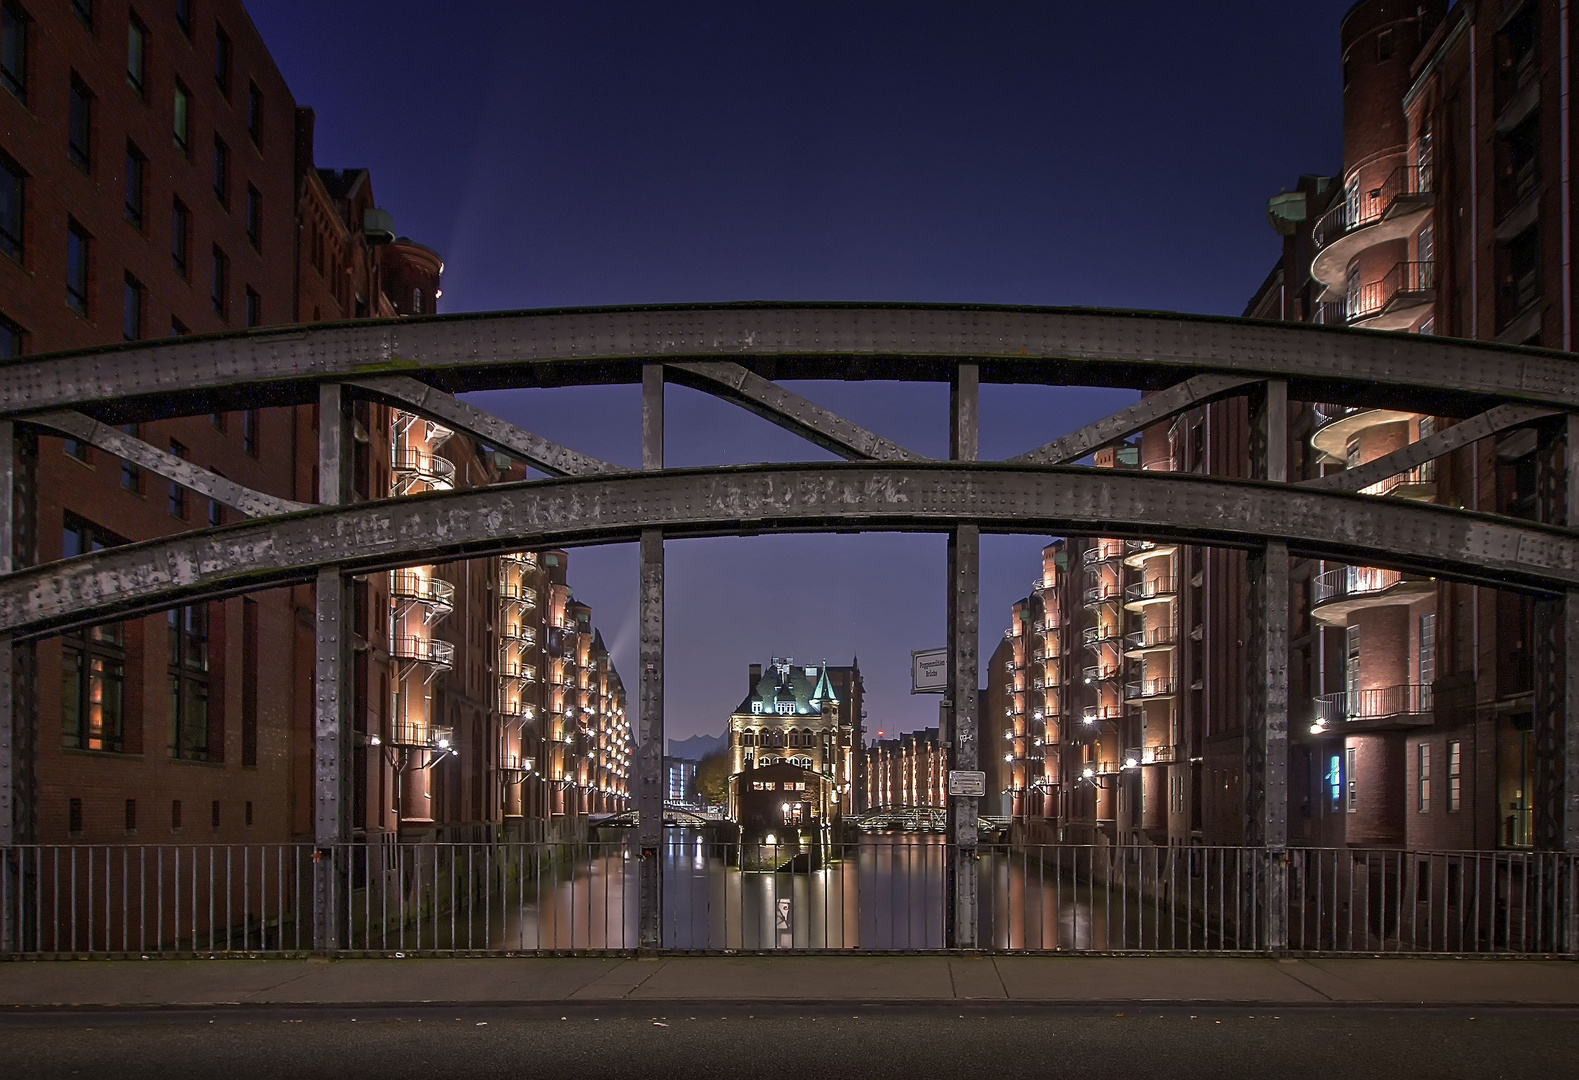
[{"x": 1114, "y": 154}]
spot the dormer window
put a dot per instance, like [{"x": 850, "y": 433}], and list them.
[
  {"x": 784, "y": 708},
  {"x": 756, "y": 706}
]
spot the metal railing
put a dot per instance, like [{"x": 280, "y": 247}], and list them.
[
  {"x": 1411, "y": 699},
  {"x": 517, "y": 593},
  {"x": 1100, "y": 633},
  {"x": 1420, "y": 475},
  {"x": 423, "y": 588},
  {"x": 1375, "y": 297},
  {"x": 1156, "y": 588},
  {"x": 791, "y": 888},
  {"x": 1371, "y": 206},
  {"x": 1101, "y": 553},
  {"x": 419, "y": 465},
  {"x": 423, "y": 650},
  {"x": 1349, "y": 581},
  {"x": 1152, "y": 637},
  {"x": 1100, "y": 594},
  {"x": 1148, "y": 688},
  {"x": 518, "y": 634}
]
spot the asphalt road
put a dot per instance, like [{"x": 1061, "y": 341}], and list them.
[{"x": 434, "y": 1043}]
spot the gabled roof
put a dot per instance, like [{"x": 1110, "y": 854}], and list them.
[{"x": 782, "y": 681}]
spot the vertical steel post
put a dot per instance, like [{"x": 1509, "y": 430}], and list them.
[
  {"x": 964, "y": 618},
  {"x": 332, "y": 685},
  {"x": 649, "y": 753},
  {"x": 8, "y": 880},
  {"x": 1267, "y": 656}
]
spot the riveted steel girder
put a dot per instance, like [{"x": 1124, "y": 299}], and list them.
[
  {"x": 790, "y": 411},
  {"x": 854, "y": 341},
  {"x": 829, "y": 497},
  {"x": 1194, "y": 391},
  {"x": 209, "y": 484},
  {"x": 543, "y": 454}
]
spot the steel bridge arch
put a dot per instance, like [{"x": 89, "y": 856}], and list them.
[{"x": 736, "y": 351}]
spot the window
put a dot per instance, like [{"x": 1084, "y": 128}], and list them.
[
  {"x": 136, "y": 173},
  {"x": 180, "y": 237},
  {"x": 175, "y": 815},
  {"x": 132, "y": 310},
  {"x": 1428, "y": 648},
  {"x": 177, "y": 493},
  {"x": 255, "y": 113},
  {"x": 181, "y": 125},
  {"x": 249, "y": 431},
  {"x": 784, "y": 708},
  {"x": 188, "y": 671},
  {"x": 213, "y": 814},
  {"x": 756, "y": 706},
  {"x": 79, "y": 126},
  {"x": 416, "y": 301},
  {"x": 254, "y": 308},
  {"x": 93, "y": 663},
  {"x": 131, "y": 474},
  {"x": 216, "y": 514},
  {"x": 254, "y": 218},
  {"x": 1455, "y": 778},
  {"x": 1351, "y": 670},
  {"x": 76, "y": 449},
  {"x": 136, "y": 55},
  {"x": 12, "y": 193},
  {"x": 10, "y": 339},
  {"x": 1426, "y": 244},
  {"x": 74, "y": 816},
  {"x": 13, "y": 49},
  {"x": 183, "y": 16},
  {"x": 217, "y": 421},
  {"x": 131, "y": 816},
  {"x": 77, "y": 255},
  {"x": 221, "y": 171},
  {"x": 1351, "y": 802},
  {"x": 249, "y": 813},
  {"x": 83, "y": 9},
  {"x": 222, "y": 61},
  {"x": 221, "y": 282},
  {"x": 1423, "y": 778}
]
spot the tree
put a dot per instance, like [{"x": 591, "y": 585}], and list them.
[{"x": 712, "y": 777}]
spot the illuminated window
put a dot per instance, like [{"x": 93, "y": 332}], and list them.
[
  {"x": 1351, "y": 790},
  {"x": 188, "y": 679},
  {"x": 93, "y": 664},
  {"x": 1455, "y": 779},
  {"x": 1423, "y": 778},
  {"x": 756, "y": 706}
]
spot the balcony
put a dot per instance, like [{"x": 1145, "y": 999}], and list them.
[
  {"x": 1390, "y": 212},
  {"x": 516, "y": 593},
  {"x": 416, "y": 587},
  {"x": 527, "y": 560},
  {"x": 1102, "y": 553},
  {"x": 1416, "y": 483},
  {"x": 1410, "y": 705},
  {"x": 1097, "y": 673},
  {"x": 1151, "y": 640},
  {"x": 1337, "y": 425},
  {"x": 520, "y": 672},
  {"x": 1137, "y": 552},
  {"x": 1340, "y": 592},
  {"x": 1394, "y": 302},
  {"x": 1155, "y": 590},
  {"x": 518, "y": 634},
  {"x": 1093, "y": 714},
  {"x": 423, "y": 650},
  {"x": 1149, "y": 690},
  {"x": 418, "y": 467},
  {"x": 1137, "y": 756},
  {"x": 517, "y": 710},
  {"x": 1106, "y": 593},
  {"x": 1100, "y": 634}
]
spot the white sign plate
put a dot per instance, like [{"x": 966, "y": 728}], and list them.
[
  {"x": 966, "y": 782},
  {"x": 929, "y": 671}
]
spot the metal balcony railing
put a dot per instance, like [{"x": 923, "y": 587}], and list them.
[
  {"x": 420, "y": 466},
  {"x": 1412, "y": 699},
  {"x": 1328, "y": 413},
  {"x": 1092, "y": 636},
  {"x": 1424, "y": 473},
  {"x": 1101, "y": 553},
  {"x": 423, "y": 650},
  {"x": 1101, "y": 594},
  {"x": 1405, "y": 279},
  {"x": 1091, "y": 714},
  {"x": 525, "y": 559},
  {"x": 510, "y": 669},
  {"x": 1350, "y": 581},
  {"x": 1147, "y": 689},
  {"x": 520, "y": 710},
  {"x": 1152, "y": 637},
  {"x": 1156, "y": 588},
  {"x": 1369, "y": 207},
  {"x": 518, "y": 634},
  {"x": 422, "y": 589},
  {"x": 1099, "y": 673},
  {"x": 515, "y": 592}
]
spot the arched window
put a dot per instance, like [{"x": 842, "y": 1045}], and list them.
[{"x": 748, "y": 738}]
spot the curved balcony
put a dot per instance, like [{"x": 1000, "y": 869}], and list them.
[
  {"x": 1095, "y": 714},
  {"x": 520, "y": 672},
  {"x": 1100, "y": 634},
  {"x": 413, "y": 467},
  {"x": 518, "y": 634},
  {"x": 527, "y": 560},
  {"x": 1104, "y": 552},
  {"x": 413, "y": 586},
  {"x": 515, "y": 593},
  {"x": 1099, "y": 673},
  {"x": 518, "y": 710},
  {"x": 423, "y": 650},
  {"x": 1394, "y": 302},
  {"x": 1416, "y": 483},
  {"x": 1337, "y": 425},
  {"x": 1106, "y": 593},
  {"x": 1409, "y": 705},
  {"x": 1149, "y": 690},
  {"x": 1338, "y": 593},
  {"x": 1139, "y": 551},
  {"x": 419, "y": 734},
  {"x": 1153, "y": 639},
  {"x": 1136, "y": 756},
  {"x": 1390, "y": 212},
  {"x": 1157, "y": 590}
]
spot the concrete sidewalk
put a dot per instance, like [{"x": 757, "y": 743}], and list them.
[{"x": 813, "y": 980}]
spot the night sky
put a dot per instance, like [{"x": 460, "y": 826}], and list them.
[{"x": 573, "y": 153}]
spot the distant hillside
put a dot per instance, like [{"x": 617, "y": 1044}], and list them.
[{"x": 696, "y": 747}]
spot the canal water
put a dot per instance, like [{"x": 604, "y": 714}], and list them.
[{"x": 884, "y": 892}]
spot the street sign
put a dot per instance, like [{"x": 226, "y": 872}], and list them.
[
  {"x": 968, "y": 783},
  {"x": 929, "y": 671}
]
